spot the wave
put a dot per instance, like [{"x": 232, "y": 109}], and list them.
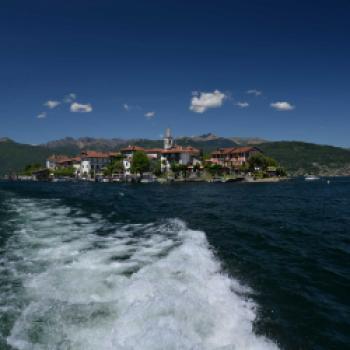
[{"x": 76, "y": 281}]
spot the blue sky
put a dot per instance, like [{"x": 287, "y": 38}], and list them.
[{"x": 131, "y": 68}]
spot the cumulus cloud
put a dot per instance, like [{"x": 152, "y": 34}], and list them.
[
  {"x": 150, "y": 115},
  {"x": 69, "y": 98},
  {"x": 51, "y": 104},
  {"x": 242, "y": 104},
  {"x": 126, "y": 107},
  {"x": 201, "y": 101},
  {"x": 80, "y": 108},
  {"x": 42, "y": 115},
  {"x": 254, "y": 92},
  {"x": 282, "y": 106}
]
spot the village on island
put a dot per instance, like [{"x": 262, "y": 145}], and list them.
[{"x": 172, "y": 163}]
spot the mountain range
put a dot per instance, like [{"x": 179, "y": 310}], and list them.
[
  {"x": 206, "y": 142},
  {"x": 298, "y": 158}
]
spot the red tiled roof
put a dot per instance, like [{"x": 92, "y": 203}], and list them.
[
  {"x": 234, "y": 150},
  {"x": 114, "y": 154},
  {"x": 180, "y": 149},
  {"x": 175, "y": 149},
  {"x": 84, "y": 154},
  {"x": 64, "y": 160},
  {"x": 154, "y": 150},
  {"x": 57, "y": 157},
  {"x": 95, "y": 154},
  {"x": 245, "y": 149},
  {"x": 132, "y": 148}
]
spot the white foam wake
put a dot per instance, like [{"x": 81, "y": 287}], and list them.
[{"x": 155, "y": 286}]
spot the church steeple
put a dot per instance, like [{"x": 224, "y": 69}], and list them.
[{"x": 168, "y": 140}]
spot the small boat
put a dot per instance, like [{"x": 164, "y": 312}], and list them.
[
  {"x": 311, "y": 177},
  {"x": 60, "y": 179},
  {"x": 215, "y": 179},
  {"x": 146, "y": 180}
]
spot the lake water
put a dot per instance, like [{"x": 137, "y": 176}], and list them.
[{"x": 184, "y": 266}]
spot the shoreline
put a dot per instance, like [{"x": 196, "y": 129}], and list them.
[{"x": 160, "y": 180}]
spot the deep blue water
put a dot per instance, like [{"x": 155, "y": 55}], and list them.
[{"x": 183, "y": 266}]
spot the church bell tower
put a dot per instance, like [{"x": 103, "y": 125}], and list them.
[{"x": 168, "y": 140}]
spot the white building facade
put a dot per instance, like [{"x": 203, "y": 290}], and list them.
[
  {"x": 92, "y": 163},
  {"x": 173, "y": 153}
]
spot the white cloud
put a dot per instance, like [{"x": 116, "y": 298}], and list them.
[
  {"x": 42, "y": 115},
  {"x": 242, "y": 104},
  {"x": 150, "y": 115},
  {"x": 69, "y": 98},
  {"x": 128, "y": 108},
  {"x": 254, "y": 92},
  {"x": 51, "y": 104},
  {"x": 201, "y": 101},
  {"x": 282, "y": 106},
  {"x": 77, "y": 107}
]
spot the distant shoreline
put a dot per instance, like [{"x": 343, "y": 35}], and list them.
[{"x": 167, "y": 182}]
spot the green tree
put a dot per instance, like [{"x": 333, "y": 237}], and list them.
[
  {"x": 30, "y": 168},
  {"x": 260, "y": 161},
  {"x": 197, "y": 167},
  {"x": 183, "y": 170},
  {"x": 244, "y": 168},
  {"x": 67, "y": 172},
  {"x": 178, "y": 169},
  {"x": 175, "y": 168},
  {"x": 116, "y": 166},
  {"x": 108, "y": 170},
  {"x": 206, "y": 155},
  {"x": 155, "y": 167},
  {"x": 213, "y": 169},
  {"x": 140, "y": 163},
  {"x": 281, "y": 171}
]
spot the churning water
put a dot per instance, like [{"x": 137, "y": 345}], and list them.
[
  {"x": 152, "y": 286},
  {"x": 95, "y": 276}
]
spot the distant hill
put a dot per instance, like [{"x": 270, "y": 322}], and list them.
[
  {"x": 248, "y": 140},
  {"x": 14, "y": 156},
  {"x": 76, "y": 145},
  {"x": 207, "y": 143},
  {"x": 297, "y": 157},
  {"x": 300, "y": 157}
]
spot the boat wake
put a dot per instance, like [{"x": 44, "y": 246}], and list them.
[{"x": 76, "y": 281}]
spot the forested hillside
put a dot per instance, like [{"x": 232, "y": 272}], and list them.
[
  {"x": 15, "y": 156},
  {"x": 298, "y": 158}
]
